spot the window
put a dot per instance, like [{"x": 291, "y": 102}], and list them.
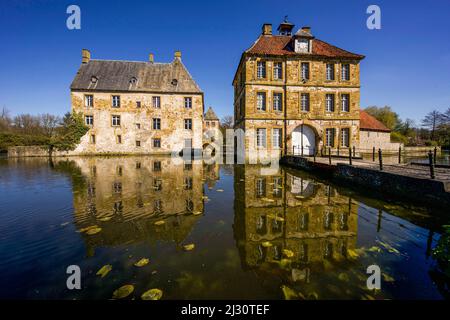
[
  {"x": 157, "y": 184},
  {"x": 304, "y": 101},
  {"x": 156, "y": 102},
  {"x": 115, "y": 120},
  {"x": 345, "y": 75},
  {"x": 89, "y": 120},
  {"x": 345, "y": 137},
  {"x": 276, "y": 138},
  {"x": 261, "y": 101},
  {"x": 261, "y": 69},
  {"x": 138, "y": 143},
  {"x": 277, "y": 70},
  {"x": 260, "y": 187},
  {"x": 119, "y": 139},
  {"x": 138, "y": 126},
  {"x": 345, "y": 102},
  {"x": 330, "y": 71},
  {"x": 188, "y": 143},
  {"x": 156, "y": 124},
  {"x": 329, "y": 137},
  {"x": 157, "y": 166},
  {"x": 157, "y": 143},
  {"x": 213, "y": 124},
  {"x": 89, "y": 100},
  {"x": 277, "y": 187},
  {"x": 116, "y": 101},
  {"x": 277, "y": 101},
  {"x": 188, "y": 102},
  {"x": 305, "y": 70},
  {"x": 329, "y": 102},
  {"x": 92, "y": 138},
  {"x": 188, "y": 124},
  {"x": 261, "y": 138},
  {"x": 138, "y": 104}
]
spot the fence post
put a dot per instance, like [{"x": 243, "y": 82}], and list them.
[
  {"x": 329, "y": 155},
  {"x": 400, "y": 154},
  {"x": 435, "y": 153},
  {"x": 338, "y": 151},
  {"x": 301, "y": 152},
  {"x": 354, "y": 151},
  {"x": 373, "y": 154},
  {"x": 314, "y": 154},
  {"x": 350, "y": 156},
  {"x": 293, "y": 150},
  {"x": 321, "y": 151},
  {"x": 430, "y": 160},
  {"x": 380, "y": 158}
]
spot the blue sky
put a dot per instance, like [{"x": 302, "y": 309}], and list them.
[{"x": 407, "y": 64}]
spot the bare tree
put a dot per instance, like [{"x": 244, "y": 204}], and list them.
[
  {"x": 432, "y": 121},
  {"x": 227, "y": 122},
  {"x": 48, "y": 123},
  {"x": 5, "y": 119}
]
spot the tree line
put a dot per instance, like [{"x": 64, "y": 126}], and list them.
[
  {"x": 433, "y": 129},
  {"x": 58, "y": 133}
]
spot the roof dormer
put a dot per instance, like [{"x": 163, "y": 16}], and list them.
[
  {"x": 285, "y": 28},
  {"x": 303, "y": 40}
]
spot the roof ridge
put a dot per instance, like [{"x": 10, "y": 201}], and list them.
[{"x": 134, "y": 61}]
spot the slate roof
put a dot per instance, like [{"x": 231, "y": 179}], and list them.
[
  {"x": 210, "y": 115},
  {"x": 282, "y": 45},
  {"x": 115, "y": 75},
  {"x": 370, "y": 123}
]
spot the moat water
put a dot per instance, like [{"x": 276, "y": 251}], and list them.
[{"x": 257, "y": 233}]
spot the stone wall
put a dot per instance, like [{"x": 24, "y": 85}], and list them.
[
  {"x": 370, "y": 139},
  {"x": 172, "y": 114}
]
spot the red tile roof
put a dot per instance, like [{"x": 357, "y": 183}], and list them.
[
  {"x": 281, "y": 45},
  {"x": 369, "y": 123}
]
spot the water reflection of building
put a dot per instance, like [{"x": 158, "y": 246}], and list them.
[
  {"x": 126, "y": 196},
  {"x": 310, "y": 219}
]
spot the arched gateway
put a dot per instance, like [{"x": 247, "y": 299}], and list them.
[{"x": 304, "y": 138}]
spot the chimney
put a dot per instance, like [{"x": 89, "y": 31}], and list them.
[
  {"x": 306, "y": 29},
  {"x": 85, "y": 56},
  {"x": 267, "y": 29},
  {"x": 151, "y": 58},
  {"x": 177, "y": 55}
]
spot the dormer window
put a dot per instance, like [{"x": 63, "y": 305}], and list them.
[
  {"x": 174, "y": 82},
  {"x": 302, "y": 45},
  {"x": 133, "y": 80},
  {"x": 94, "y": 79}
]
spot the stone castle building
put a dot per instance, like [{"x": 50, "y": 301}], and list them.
[
  {"x": 137, "y": 107},
  {"x": 296, "y": 93}
]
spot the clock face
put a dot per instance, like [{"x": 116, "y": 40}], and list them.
[{"x": 301, "y": 45}]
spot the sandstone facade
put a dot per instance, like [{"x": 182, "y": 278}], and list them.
[
  {"x": 137, "y": 107},
  {"x": 295, "y": 87}
]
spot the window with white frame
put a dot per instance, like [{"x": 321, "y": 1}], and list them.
[
  {"x": 115, "y": 120},
  {"x": 261, "y": 137},
  {"x": 89, "y": 101},
  {"x": 305, "y": 70},
  {"x": 89, "y": 120},
  {"x": 188, "y": 102},
  {"x": 188, "y": 124},
  {"x": 156, "y": 102},
  {"x": 277, "y": 101},
  {"x": 330, "y": 71},
  {"x": 276, "y": 138},
  {"x": 156, "y": 143},
  {"x": 345, "y": 102},
  {"x": 277, "y": 70},
  {"x": 156, "y": 124},
  {"x": 329, "y": 137},
  {"x": 116, "y": 101},
  {"x": 345, "y": 137},
  {"x": 260, "y": 187},
  {"x": 261, "y": 101},
  {"x": 329, "y": 102},
  {"x": 345, "y": 74},
  {"x": 304, "y": 101},
  {"x": 261, "y": 70}
]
